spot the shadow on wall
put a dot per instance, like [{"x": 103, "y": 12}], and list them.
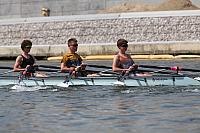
[{"x": 139, "y": 7}]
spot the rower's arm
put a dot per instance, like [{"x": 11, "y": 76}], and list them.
[
  {"x": 115, "y": 63},
  {"x": 66, "y": 68},
  {"x": 116, "y": 68},
  {"x": 17, "y": 64}
]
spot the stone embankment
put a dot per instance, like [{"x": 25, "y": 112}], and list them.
[{"x": 148, "y": 33}]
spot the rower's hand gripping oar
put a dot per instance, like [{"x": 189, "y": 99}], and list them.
[
  {"x": 124, "y": 74},
  {"x": 132, "y": 69}
]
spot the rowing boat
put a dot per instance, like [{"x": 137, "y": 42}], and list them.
[
  {"x": 56, "y": 78},
  {"x": 66, "y": 81}
]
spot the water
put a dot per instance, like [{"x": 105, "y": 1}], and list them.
[{"x": 102, "y": 109}]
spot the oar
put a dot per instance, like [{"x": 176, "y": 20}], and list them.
[
  {"x": 89, "y": 65},
  {"x": 170, "y": 68},
  {"x": 108, "y": 67},
  {"x": 5, "y": 67},
  {"x": 10, "y": 71},
  {"x": 138, "y": 70},
  {"x": 191, "y": 70},
  {"x": 47, "y": 70},
  {"x": 99, "y": 66},
  {"x": 90, "y": 71},
  {"x": 49, "y": 66},
  {"x": 58, "y": 68}
]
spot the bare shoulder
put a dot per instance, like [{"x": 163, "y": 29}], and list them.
[
  {"x": 19, "y": 58},
  {"x": 116, "y": 56}
]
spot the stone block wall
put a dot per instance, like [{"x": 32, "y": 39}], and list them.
[
  {"x": 104, "y": 29},
  {"x": 98, "y": 29}
]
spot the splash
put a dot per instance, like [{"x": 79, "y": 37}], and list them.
[{"x": 21, "y": 88}]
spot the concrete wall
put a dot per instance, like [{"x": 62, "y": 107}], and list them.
[
  {"x": 32, "y": 8},
  {"x": 171, "y": 32}
]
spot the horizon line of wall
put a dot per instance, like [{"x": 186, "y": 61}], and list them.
[{"x": 163, "y": 32}]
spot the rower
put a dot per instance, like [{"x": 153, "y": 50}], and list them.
[
  {"x": 25, "y": 62},
  {"x": 122, "y": 62},
  {"x": 71, "y": 61}
]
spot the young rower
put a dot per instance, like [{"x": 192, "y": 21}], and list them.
[
  {"x": 25, "y": 62},
  {"x": 71, "y": 61},
  {"x": 122, "y": 62}
]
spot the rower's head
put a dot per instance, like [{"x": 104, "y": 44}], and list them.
[
  {"x": 26, "y": 44},
  {"x": 72, "y": 44},
  {"x": 122, "y": 43}
]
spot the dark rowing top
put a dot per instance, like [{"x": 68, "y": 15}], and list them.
[{"x": 30, "y": 61}]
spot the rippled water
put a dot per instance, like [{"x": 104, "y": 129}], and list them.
[{"x": 102, "y": 109}]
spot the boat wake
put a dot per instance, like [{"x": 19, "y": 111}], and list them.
[
  {"x": 21, "y": 88},
  {"x": 197, "y": 78},
  {"x": 159, "y": 90}
]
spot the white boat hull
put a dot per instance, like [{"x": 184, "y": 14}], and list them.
[{"x": 102, "y": 81}]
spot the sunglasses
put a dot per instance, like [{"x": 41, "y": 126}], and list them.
[
  {"x": 124, "y": 45},
  {"x": 28, "y": 47},
  {"x": 75, "y": 45}
]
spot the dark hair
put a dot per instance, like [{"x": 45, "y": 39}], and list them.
[
  {"x": 25, "y": 44},
  {"x": 71, "y": 40},
  {"x": 121, "y": 42}
]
